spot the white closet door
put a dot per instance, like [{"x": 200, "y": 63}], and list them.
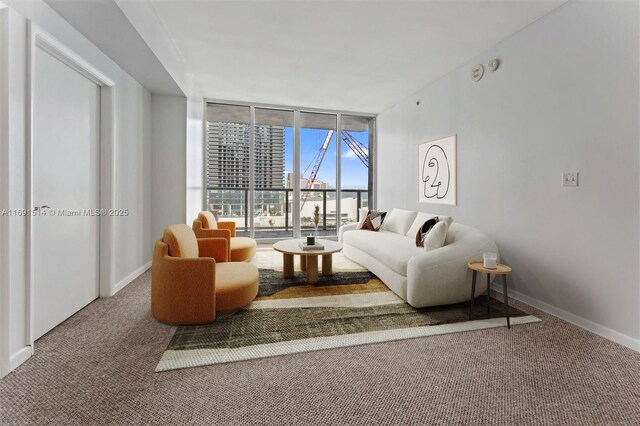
[{"x": 65, "y": 178}]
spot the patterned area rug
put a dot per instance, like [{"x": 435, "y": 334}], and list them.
[{"x": 351, "y": 307}]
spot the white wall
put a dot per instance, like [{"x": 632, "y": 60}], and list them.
[
  {"x": 132, "y": 182},
  {"x": 132, "y": 147},
  {"x": 143, "y": 17},
  {"x": 168, "y": 162},
  {"x": 565, "y": 98}
]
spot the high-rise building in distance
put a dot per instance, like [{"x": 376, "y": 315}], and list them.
[
  {"x": 228, "y": 155},
  {"x": 304, "y": 183}
]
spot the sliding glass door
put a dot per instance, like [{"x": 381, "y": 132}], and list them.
[
  {"x": 273, "y": 152},
  {"x": 318, "y": 173},
  {"x": 270, "y": 169}
]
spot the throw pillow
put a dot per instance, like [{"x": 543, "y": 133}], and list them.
[
  {"x": 424, "y": 230},
  {"x": 374, "y": 220},
  {"x": 363, "y": 216},
  {"x": 436, "y": 237},
  {"x": 399, "y": 221},
  {"x": 421, "y": 218}
]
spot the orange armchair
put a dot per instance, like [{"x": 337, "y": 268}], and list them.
[
  {"x": 191, "y": 278},
  {"x": 240, "y": 248}
]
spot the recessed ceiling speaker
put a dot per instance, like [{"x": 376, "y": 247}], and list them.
[
  {"x": 477, "y": 72},
  {"x": 493, "y": 64}
]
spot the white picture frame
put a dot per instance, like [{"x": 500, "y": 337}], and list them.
[{"x": 437, "y": 171}]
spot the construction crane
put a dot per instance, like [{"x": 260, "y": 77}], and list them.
[
  {"x": 356, "y": 147},
  {"x": 316, "y": 167}
]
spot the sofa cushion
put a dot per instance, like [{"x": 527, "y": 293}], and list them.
[
  {"x": 436, "y": 237},
  {"x": 387, "y": 247},
  {"x": 399, "y": 221},
  {"x": 421, "y": 218}
]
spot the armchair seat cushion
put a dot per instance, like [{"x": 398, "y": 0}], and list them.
[
  {"x": 236, "y": 285},
  {"x": 242, "y": 248}
]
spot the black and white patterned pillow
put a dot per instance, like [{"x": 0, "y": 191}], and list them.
[
  {"x": 424, "y": 230},
  {"x": 374, "y": 220}
]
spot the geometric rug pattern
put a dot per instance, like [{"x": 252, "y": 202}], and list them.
[{"x": 350, "y": 307}]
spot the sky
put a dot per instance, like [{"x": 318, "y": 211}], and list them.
[{"x": 354, "y": 173}]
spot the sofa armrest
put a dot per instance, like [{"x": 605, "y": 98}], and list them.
[
  {"x": 182, "y": 290},
  {"x": 441, "y": 276},
  {"x": 345, "y": 228},
  {"x": 213, "y": 233},
  {"x": 231, "y": 226},
  {"x": 216, "y": 248}
]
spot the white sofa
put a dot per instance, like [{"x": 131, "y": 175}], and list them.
[{"x": 422, "y": 278}]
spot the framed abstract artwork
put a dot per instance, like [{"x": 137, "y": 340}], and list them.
[{"x": 437, "y": 171}]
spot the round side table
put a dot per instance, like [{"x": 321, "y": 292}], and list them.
[{"x": 504, "y": 270}]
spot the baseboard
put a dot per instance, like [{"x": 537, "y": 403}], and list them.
[
  {"x": 581, "y": 322},
  {"x": 132, "y": 276},
  {"x": 19, "y": 357}
]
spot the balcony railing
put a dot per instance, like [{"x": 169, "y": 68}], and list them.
[{"x": 272, "y": 216}]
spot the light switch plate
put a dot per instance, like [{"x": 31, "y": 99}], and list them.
[{"x": 570, "y": 179}]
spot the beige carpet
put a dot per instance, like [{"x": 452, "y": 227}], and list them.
[{"x": 98, "y": 368}]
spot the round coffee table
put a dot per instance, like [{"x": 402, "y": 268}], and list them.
[{"x": 308, "y": 258}]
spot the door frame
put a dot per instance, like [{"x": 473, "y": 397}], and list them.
[
  {"x": 5, "y": 352},
  {"x": 38, "y": 38}
]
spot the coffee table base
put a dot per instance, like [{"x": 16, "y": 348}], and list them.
[
  {"x": 287, "y": 262},
  {"x": 327, "y": 264},
  {"x": 308, "y": 264}
]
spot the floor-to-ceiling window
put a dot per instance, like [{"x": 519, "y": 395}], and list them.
[
  {"x": 227, "y": 163},
  {"x": 272, "y": 198},
  {"x": 356, "y": 190},
  {"x": 269, "y": 168},
  {"x": 318, "y": 173}
]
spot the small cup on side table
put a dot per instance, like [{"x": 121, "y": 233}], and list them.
[{"x": 489, "y": 260}]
